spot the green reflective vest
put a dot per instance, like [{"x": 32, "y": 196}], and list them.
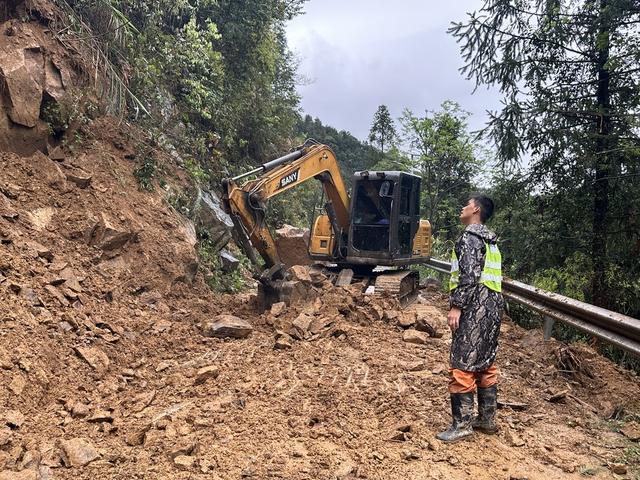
[{"x": 491, "y": 272}]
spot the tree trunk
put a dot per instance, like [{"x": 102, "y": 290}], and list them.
[{"x": 602, "y": 165}]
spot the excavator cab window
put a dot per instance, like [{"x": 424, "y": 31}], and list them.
[
  {"x": 385, "y": 212},
  {"x": 372, "y": 214},
  {"x": 406, "y": 214},
  {"x": 372, "y": 207}
]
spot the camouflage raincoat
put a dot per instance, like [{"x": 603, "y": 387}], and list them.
[{"x": 475, "y": 342}]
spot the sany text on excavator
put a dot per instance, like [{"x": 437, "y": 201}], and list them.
[{"x": 377, "y": 232}]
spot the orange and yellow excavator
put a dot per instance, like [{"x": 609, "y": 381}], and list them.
[{"x": 376, "y": 232}]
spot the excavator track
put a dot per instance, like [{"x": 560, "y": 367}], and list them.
[{"x": 402, "y": 284}]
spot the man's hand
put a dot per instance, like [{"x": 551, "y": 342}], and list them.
[{"x": 454, "y": 318}]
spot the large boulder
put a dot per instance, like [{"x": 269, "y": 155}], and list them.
[
  {"x": 32, "y": 79},
  {"x": 210, "y": 216},
  {"x": 108, "y": 237},
  {"x": 293, "y": 245}
]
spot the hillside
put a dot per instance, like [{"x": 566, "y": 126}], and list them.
[{"x": 108, "y": 369}]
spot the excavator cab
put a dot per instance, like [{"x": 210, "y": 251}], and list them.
[
  {"x": 385, "y": 212},
  {"x": 385, "y": 223}
]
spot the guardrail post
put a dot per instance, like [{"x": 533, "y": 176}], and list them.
[{"x": 547, "y": 328}]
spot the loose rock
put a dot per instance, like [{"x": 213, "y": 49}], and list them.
[
  {"x": 104, "y": 235},
  {"x": 416, "y": 337},
  {"x": 17, "y": 384},
  {"x": 57, "y": 294},
  {"x": 228, "y": 326},
  {"x": 344, "y": 277},
  {"x": 100, "y": 416},
  {"x": 206, "y": 373},
  {"x": 618, "y": 468},
  {"x": 210, "y": 216},
  {"x": 184, "y": 462},
  {"x": 229, "y": 262},
  {"x": 278, "y": 308},
  {"x": 407, "y": 319},
  {"x": 78, "y": 452},
  {"x": 81, "y": 181},
  {"x": 300, "y": 326},
  {"x": 292, "y": 245},
  {"x": 514, "y": 439},
  {"x": 94, "y": 357},
  {"x": 13, "y": 419},
  {"x": 283, "y": 342},
  {"x": 138, "y": 436},
  {"x": 632, "y": 431},
  {"x": 299, "y": 273}
]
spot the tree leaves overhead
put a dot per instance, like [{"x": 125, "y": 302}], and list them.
[
  {"x": 216, "y": 74},
  {"x": 442, "y": 152},
  {"x": 569, "y": 72}
]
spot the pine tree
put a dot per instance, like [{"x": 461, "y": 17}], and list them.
[
  {"x": 569, "y": 71},
  {"x": 383, "y": 131}
]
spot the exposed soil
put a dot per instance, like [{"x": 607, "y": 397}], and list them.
[{"x": 106, "y": 371}]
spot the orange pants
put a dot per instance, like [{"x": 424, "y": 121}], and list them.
[{"x": 465, "y": 382}]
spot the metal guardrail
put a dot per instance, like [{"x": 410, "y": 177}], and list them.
[{"x": 612, "y": 327}]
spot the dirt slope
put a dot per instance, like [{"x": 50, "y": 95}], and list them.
[
  {"x": 101, "y": 344},
  {"x": 105, "y": 372}
]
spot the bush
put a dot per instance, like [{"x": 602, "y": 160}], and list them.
[{"x": 219, "y": 281}]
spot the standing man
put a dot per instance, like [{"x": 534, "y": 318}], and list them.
[{"x": 476, "y": 306}]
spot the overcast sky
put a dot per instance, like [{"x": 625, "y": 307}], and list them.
[{"x": 358, "y": 54}]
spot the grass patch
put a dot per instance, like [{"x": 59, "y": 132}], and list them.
[
  {"x": 146, "y": 172},
  {"x": 588, "y": 471}
]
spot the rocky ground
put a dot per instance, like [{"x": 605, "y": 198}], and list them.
[
  {"x": 112, "y": 365},
  {"x": 118, "y": 362}
]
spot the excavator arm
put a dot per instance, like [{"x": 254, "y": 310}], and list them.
[{"x": 246, "y": 203}]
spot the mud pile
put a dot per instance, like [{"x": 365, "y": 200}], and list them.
[
  {"x": 117, "y": 361},
  {"x": 109, "y": 367}
]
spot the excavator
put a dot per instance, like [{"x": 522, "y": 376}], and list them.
[{"x": 376, "y": 232}]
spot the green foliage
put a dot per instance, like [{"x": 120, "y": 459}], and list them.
[
  {"x": 352, "y": 154},
  {"x": 146, "y": 172},
  {"x": 196, "y": 172},
  {"x": 631, "y": 456},
  {"x": 620, "y": 357},
  {"x": 571, "y": 278},
  {"x": 182, "y": 201},
  {"x": 216, "y": 75},
  {"x": 218, "y": 280},
  {"x": 442, "y": 152},
  {"x": 568, "y": 75},
  {"x": 383, "y": 131},
  {"x": 55, "y": 116},
  {"x": 588, "y": 471},
  {"x": 297, "y": 207}
]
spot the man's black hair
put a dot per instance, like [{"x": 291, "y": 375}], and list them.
[{"x": 486, "y": 206}]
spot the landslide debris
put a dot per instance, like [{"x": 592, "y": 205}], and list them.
[{"x": 117, "y": 360}]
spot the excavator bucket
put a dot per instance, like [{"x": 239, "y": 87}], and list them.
[{"x": 402, "y": 284}]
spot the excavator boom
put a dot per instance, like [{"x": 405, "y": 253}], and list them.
[{"x": 246, "y": 203}]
